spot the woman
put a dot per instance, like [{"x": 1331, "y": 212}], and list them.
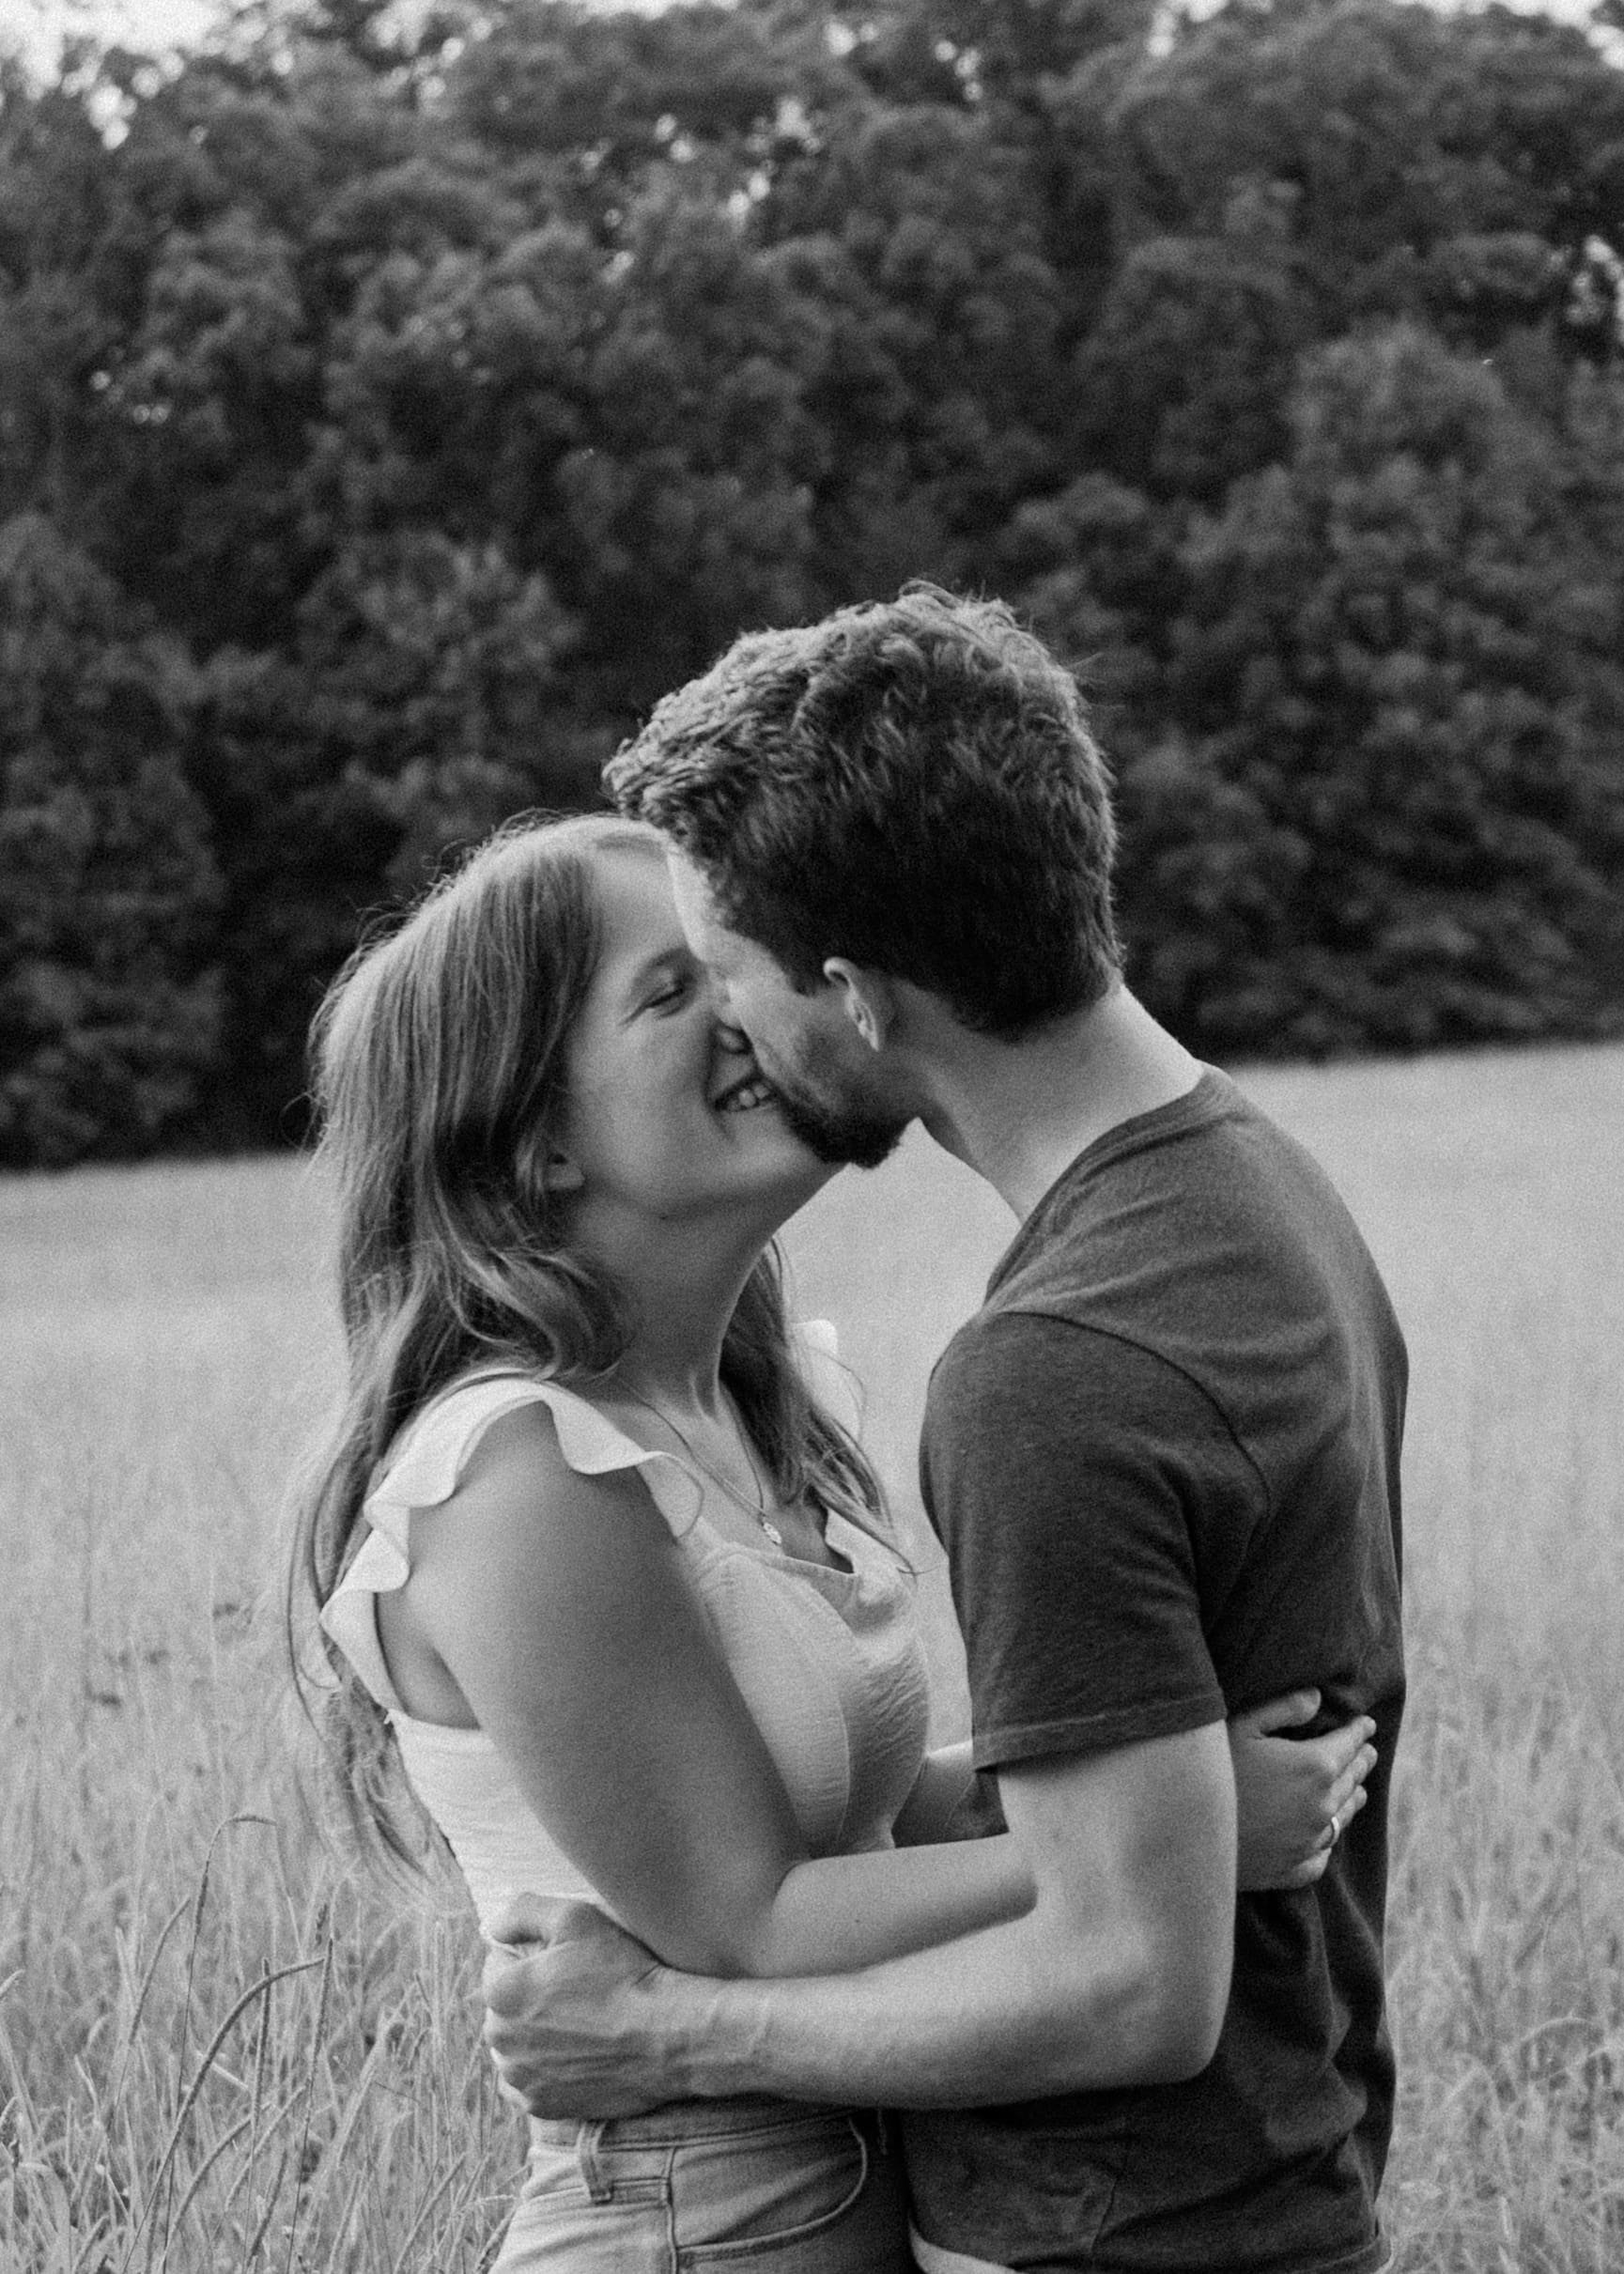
[{"x": 596, "y": 1566}]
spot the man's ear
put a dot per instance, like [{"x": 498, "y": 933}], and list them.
[{"x": 866, "y": 999}]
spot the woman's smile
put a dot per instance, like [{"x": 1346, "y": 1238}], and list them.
[{"x": 744, "y": 1093}]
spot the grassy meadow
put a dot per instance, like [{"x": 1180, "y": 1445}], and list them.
[{"x": 218, "y": 2050}]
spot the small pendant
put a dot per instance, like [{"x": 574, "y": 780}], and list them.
[{"x": 772, "y": 1531}]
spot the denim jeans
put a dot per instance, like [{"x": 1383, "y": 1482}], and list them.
[
  {"x": 932, "y": 2259},
  {"x": 704, "y": 2186}
]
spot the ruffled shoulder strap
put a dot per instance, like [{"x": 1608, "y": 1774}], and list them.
[{"x": 424, "y": 1466}]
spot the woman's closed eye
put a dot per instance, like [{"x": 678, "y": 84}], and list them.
[{"x": 675, "y": 988}]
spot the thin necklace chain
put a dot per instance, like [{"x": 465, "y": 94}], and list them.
[{"x": 756, "y": 1510}]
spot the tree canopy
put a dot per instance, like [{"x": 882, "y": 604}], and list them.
[{"x": 388, "y": 418}]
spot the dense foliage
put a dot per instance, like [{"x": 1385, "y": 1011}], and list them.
[{"x": 385, "y": 422}]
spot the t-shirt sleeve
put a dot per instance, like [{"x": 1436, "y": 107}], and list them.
[{"x": 1075, "y": 1479}]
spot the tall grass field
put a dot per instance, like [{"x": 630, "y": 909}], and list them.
[{"x": 222, "y": 2049}]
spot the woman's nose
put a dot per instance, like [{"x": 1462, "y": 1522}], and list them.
[{"x": 730, "y": 1037}]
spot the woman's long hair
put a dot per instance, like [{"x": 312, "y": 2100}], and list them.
[{"x": 438, "y": 1071}]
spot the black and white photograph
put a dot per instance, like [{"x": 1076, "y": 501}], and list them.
[{"x": 811, "y": 1137}]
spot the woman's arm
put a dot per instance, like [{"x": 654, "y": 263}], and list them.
[
  {"x": 1294, "y": 1796},
  {"x": 559, "y": 1607}
]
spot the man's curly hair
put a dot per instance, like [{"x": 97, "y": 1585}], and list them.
[{"x": 910, "y": 784}]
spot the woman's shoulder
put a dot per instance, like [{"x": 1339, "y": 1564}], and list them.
[
  {"x": 430, "y": 1461},
  {"x": 430, "y": 1457}
]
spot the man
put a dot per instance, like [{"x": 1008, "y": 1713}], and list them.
[{"x": 1163, "y": 1458}]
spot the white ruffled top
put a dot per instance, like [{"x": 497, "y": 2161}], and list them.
[{"x": 828, "y": 1660}]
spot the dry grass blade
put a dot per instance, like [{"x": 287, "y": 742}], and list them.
[
  {"x": 141, "y": 1996},
  {"x": 260, "y": 1989},
  {"x": 222, "y": 2147},
  {"x": 317, "y": 2037},
  {"x": 256, "y": 2242},
  {"x": 429, "y": 2208}
]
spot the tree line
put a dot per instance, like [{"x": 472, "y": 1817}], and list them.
[{"x": 387, "y": 419}]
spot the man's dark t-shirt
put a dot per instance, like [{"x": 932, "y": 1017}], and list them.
[{"x": 1164, "y": 1460}]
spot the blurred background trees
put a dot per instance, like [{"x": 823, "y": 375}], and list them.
[{"x": 388, "y": 418}]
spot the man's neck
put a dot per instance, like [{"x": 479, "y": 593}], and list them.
[{"x": 1020, "y": 1113}]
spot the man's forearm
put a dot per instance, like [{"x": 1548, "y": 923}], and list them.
[
  {"x": 1117, "y": 1973},
  {"x": 1011, "y": 2013}
]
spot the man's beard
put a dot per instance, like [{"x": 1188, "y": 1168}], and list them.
[{"x": 843, "y": 1135}]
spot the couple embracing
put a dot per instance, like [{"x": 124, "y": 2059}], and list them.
[{"x": 601, "y": 1568}]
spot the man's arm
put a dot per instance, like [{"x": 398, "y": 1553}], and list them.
[{"x": 1118, "y": 1974}]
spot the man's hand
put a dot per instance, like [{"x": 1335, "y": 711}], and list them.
[{"x": 582, "y": 2020}]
